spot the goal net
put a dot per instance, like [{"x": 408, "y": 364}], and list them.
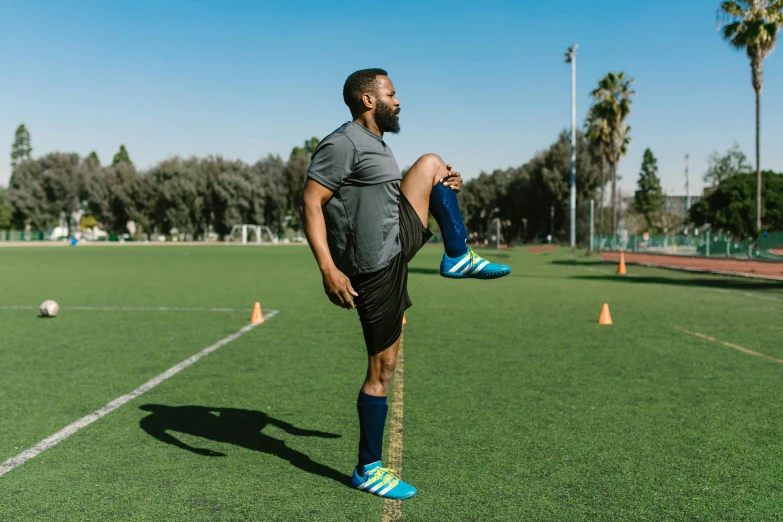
[{"x": 255, "y": 234}]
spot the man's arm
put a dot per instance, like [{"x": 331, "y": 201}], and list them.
[
  {"x": 336, "y": 284},
  {"x": 153, "y": 426}
]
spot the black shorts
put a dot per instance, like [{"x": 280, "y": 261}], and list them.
[{"x": 383, "y": 295}]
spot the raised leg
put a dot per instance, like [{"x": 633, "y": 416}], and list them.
[
  {"x": 417, "y": 183},
  {"x": 425, "y": 187}
]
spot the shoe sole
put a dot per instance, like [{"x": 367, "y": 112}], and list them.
[
  {"x": 488, "y": 275},
  {"x": 389, "y": 498},
  {"x": 401, "y": 498}
]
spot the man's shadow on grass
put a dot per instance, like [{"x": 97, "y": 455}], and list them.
[
  {"x": 725, "y": 284},
  {"x": 233, "y": 426}
]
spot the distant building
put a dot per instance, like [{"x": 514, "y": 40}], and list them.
[{"x": 677, "y": 205}]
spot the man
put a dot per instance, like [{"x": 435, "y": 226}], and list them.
[{"x": 364, "y": 223}]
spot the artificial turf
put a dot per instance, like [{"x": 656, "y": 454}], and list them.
[{"x": 518, "y": 406}]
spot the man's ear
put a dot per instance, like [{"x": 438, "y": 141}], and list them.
[{"x": 368, "y": 100}]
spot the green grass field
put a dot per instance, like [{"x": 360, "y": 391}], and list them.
[{"x": 517, "y": 405}]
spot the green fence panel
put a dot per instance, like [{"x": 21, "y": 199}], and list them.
[
  {"x": 770, "y": 246},
  {"x": 22, "y": 235},
  {"x": 767, "y": 247}
]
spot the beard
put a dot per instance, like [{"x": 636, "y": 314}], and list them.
[{"x": 386, "y": 118}]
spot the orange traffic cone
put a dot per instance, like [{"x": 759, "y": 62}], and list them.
[
  {"x": 621, "y": 266},
  {"x": 257, "y": 316},
  {"x": 606, "y": 317},
  {"x": 404, "y": 321}
]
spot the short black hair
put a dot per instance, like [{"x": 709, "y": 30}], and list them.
[{"x": 359, "y": 83}]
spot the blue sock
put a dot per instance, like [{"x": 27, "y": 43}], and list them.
[
  {"x": 372, "y": 418},
  {"x": 445, "y": 209}
]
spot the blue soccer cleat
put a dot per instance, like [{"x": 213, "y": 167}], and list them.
[
  {"x": 382, "y": 482},
  {"x": 471, "y": 265}
]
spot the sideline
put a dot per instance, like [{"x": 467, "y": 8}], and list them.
[
  {"x": 392, "y": 509},
  {"x": 130, "y": 308}
]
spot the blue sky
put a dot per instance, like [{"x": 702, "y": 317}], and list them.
[{"x": 481, "y": 83}]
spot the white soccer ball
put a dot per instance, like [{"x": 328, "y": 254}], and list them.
[{"x": 49, "y": 308}]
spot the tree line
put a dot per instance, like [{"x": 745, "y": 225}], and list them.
[
  {"x": 729, "y": 203},
  {"x": 189, "y": 195},
  {"x": 530, "y": 202},
  {"x": 196, "y": 195}
]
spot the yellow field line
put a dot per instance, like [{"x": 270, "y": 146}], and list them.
[
  {"x": 730, "y": 345},
  {"x": 392, "y": 509}
]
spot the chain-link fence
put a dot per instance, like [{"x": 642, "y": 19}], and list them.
[{"x": 768, "y": 246}]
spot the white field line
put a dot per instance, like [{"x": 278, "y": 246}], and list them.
[
  {"x": 130, "y": 308},
  {"x": 730, "y": 345},
  {"x": 721, "y": 290},
  {"x": 69, "y": 430},
  {"x": 748, "y": 294}
]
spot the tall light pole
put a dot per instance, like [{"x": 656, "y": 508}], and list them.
[
  {"x": 571, "y": 58},
  {"x": 687, "y": 184}
]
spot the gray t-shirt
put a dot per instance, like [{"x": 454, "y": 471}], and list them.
[{"x": 362, "y": 218}]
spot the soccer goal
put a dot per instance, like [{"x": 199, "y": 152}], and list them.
[{"x": 257, "y": 234}]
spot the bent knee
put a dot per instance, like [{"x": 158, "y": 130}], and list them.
[
  {"x": 431, "y": 159},
  {"x": 430, "y": 166}
]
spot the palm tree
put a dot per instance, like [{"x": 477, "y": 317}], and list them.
[
  {"x": 612, "y": 104},
  {"x": 600, "y": 138},
  {"x": 754, "y": 26}
]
